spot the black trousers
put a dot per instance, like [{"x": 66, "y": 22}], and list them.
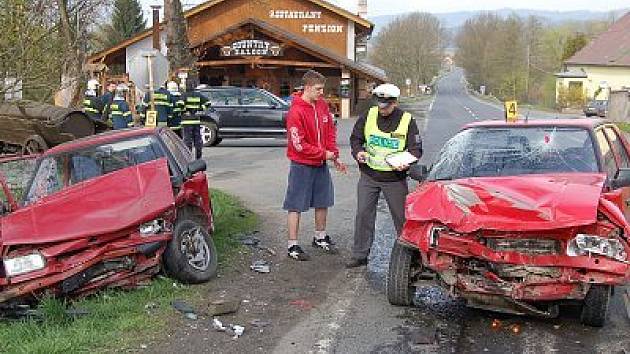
[{"x": 192, "y": 135}]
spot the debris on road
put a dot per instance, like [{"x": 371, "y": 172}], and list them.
[
  {"x": 222, "y": 307},
  {"x": 259, "y": 323},
  {"x": 234, "y": 330},
  {"x": 261, "y": 267},
  {"x": 249, "y": 240},
  {"x": 302, "y": 304},
  {"x": 185, "y": 309}
]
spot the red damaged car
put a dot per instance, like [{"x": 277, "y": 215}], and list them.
[
  {"x": 110, "y": 210},
  {"x": 521, "y": 218}
]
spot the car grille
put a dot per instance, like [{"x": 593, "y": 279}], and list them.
[{"x": 524, "y": 245}]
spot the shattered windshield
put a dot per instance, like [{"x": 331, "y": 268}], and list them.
[
  {"x": 16, "y": 173},
  {"x": 513, "y": 151}
]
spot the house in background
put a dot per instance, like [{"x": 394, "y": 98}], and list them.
[{"x": 601, "y": 66}]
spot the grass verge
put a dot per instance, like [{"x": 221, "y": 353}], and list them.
[
  {"x": 623, "y": 126},
  {"x": 118, "y": 319}
]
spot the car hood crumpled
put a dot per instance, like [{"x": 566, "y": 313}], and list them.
[
  {"x": 521, "y": 203},
  {"x": 103, "y": 205}
]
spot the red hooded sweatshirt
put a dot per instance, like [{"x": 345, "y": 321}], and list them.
[{"x": 310, "y": 131}]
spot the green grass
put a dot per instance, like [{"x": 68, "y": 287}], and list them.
[
  {"x": 623, "y": 126},
  {"x": 118, "y": 319}
]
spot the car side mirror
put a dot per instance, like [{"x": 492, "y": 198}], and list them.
[
  {"x": 418, "y": 172},
  {"x": 622, "y": 179},
  {"x": 198, "y": 165}
]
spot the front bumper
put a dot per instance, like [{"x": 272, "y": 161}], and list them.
[{"x": 468, "y": 269}]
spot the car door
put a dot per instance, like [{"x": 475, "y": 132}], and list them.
[
  {"x": 225, "y": 101},
  {"x": 262, "y": 112},
  {"x": 15, "y": 174},
  {"x": 622, "y": 160}
]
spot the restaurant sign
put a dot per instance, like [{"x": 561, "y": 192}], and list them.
[{"x": 251, "y": 48}]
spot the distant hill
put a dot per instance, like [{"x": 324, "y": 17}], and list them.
[{"x": 452, "y": 20}]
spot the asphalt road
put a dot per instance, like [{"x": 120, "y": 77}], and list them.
[{"x": 351, "y": 313}]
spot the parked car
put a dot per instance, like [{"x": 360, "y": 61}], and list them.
[
  {"x": 596, "y": 108},
  {"x": 110, "y": 210},
  {"x": 236, "y": 112},
  {"x": 521, "y": 218}
]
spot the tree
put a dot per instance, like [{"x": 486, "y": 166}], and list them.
[
  {"x": 402, "y": 55},
  {"x": 127, "y": 20},
  {"x": 179, "y": 51},
  {"x": 573, "y": 45}
]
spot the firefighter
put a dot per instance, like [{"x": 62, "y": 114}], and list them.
[
  {"x": 119, "y": 109},
  {"x": 195, "y": 103},
  {"x": 163, "y": 105},
  {"x": 92, "y": 105},
  {"x": 107, "y": 98},
  {"x": 177, "y": 100},
  {"x": 384, "y": 130}
]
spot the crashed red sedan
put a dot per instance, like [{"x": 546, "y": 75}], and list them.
[
  {"x": 521, "y": 218},
  {"x": 110, "y": 210}
]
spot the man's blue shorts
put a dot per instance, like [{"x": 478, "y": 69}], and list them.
[{"x": 308, "y": 187}]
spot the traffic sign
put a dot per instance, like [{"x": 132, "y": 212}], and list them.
[
  {"x": 511, "y": 111},
  {"x": 151, "y": 119}
]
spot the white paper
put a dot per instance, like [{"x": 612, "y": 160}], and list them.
[{"x": 399, "y": 159}]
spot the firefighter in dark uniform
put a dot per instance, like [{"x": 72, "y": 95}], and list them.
[
  {"x": 179, "y": 106},
  {"x": 120, "y": 113},
  {"x": 163, "y": 105},
  {"x": 195, "y": 103},
  {"x": 92, "y": 105}
]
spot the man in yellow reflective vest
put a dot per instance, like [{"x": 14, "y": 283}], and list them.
[{"x": 384, "y": 130}]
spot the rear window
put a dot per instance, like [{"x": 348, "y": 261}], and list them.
[
  {"x": 223, "y": 97},
  {"x": 59, "y": 171}
]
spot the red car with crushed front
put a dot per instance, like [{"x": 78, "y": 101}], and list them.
[
  {"x": 521, "y": 218},
  {"x": 110, "y": 210}
]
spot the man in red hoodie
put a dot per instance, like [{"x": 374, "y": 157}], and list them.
[{"x": 312, "y": 142}]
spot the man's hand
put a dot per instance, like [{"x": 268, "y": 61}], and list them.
[
  {"x": 401, "y": 168},
  {"x": 330, "y": 155},
  {"x": 362, "y": 156},
  {"x": 340, "y": 167}
]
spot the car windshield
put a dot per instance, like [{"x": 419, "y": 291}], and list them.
[{"x": 512, "y": 151}]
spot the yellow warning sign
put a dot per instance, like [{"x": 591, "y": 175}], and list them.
[
  {"x": 151, "y": 121},
  {"x": 511, "y": 111}
]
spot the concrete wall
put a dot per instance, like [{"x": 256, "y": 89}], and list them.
[{"x": 619, "y": 106}]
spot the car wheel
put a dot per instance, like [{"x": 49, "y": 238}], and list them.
[
  {"x": 34, "y": 144},
  {"x": 404, "y": 264},
  {"x": 595, "y": 306},
  {"x": 190, "y": 256},
  {"x": 209, "y": 134}
]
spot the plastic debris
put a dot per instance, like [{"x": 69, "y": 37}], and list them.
[
  {"x": 302, "y": 304},
  {"x": 222, "y": 307},
  {"x": 184, "y": 308},
  {"x": 238, "y": 330},
  {"x": 259, "y": 323},
  {"x": 218, "y": 325},
  {"x": 191, "y": 316},
  {"x": 151, "y": 306},
  {"x": 250, "y": 241},
  {"x": 234, "y": 330},
  {"x": 260, "y": 267}
]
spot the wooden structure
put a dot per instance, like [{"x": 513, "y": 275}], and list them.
[{"x": 270, "y": 44}]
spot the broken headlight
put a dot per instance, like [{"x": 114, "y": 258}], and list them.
[
  {"x": 584, "y": 244},
  {"x": 23, "y": 264},
  {"x": 152, "y": 227}
]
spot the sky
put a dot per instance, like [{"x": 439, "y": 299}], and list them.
[{"x": 389, "y": 7}]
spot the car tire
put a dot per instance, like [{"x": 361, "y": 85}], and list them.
[
  {"x": 190, "y": 256},
  {"x": 210, "y": 134},
  {"x": 595, "y": 306},
  {"x": 403, "y": 262},
  {"x": 34, "y": 144}
]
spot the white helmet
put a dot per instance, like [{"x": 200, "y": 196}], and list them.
[
  {"x": 121, "y": 90},
  {"x": 172, "y": 86},
  {"x": 92, "y": 84},
  {"x": 386, "y": 91},
  {"x": 90, "y": 93}
]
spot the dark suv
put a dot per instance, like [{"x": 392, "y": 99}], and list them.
[
  {"x": 236, "y": 112},
  {"x": 596, "y": 108}
]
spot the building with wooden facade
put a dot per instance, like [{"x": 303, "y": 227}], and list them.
[{"x": 270, "y": 44}]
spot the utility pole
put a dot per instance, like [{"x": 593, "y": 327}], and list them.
[{"x": 527, "y": 76}]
